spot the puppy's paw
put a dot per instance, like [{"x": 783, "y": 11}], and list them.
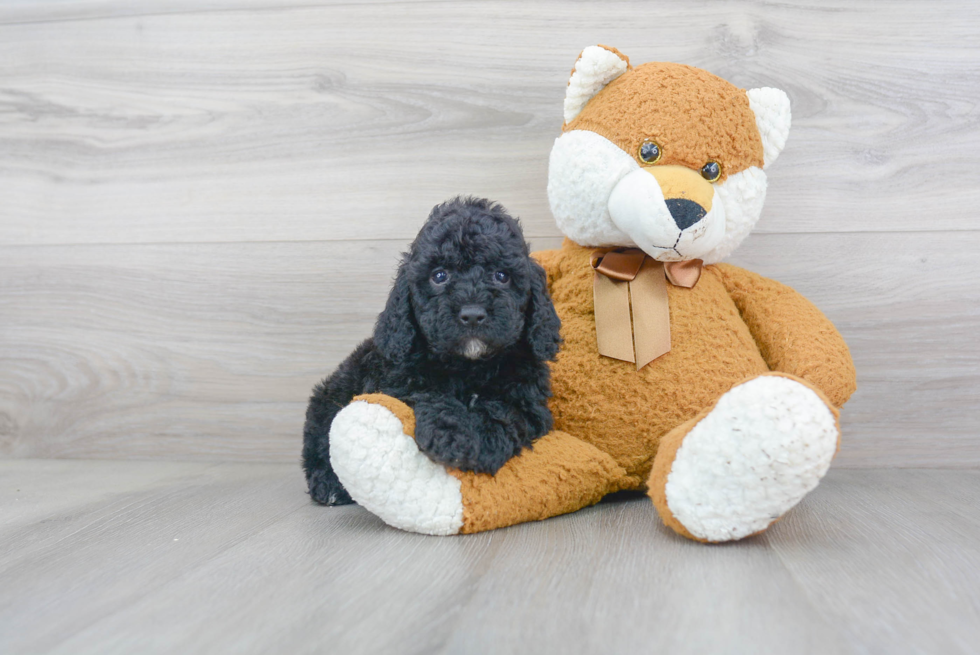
[
  {"x": 325, "y": 488},
  {"x": 468, "y": 441},
  {"x": 384, "y": 471},
  {"x": 445, "y": 438}
]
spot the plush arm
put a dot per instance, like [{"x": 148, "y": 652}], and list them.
[
  {"x": 792, "y": 334},
  {"x": 548, "y": 259}
]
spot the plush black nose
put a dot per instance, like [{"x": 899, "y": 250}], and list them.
[
  {"x": 472, "y": 315},
  {"x": 685, "y": 212}
]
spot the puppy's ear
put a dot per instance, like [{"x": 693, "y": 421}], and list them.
[
  {"x": 395, "y": 332},
  {"x": 542, "y": 323}
]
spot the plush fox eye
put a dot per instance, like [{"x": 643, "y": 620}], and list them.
[
  {"x": 501, "y": 277},
  {"x": 650, "y": 152},
  {"x": 440, "y": 276},
  {"x": 711, "y": 171}
]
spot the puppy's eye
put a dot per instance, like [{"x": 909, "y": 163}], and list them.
[
  {"x": 501, "y": 277},
  {"x": 440, "y": 276},
  {"x": 651, "y": 152},
  {"x": 711, "y": 171}
]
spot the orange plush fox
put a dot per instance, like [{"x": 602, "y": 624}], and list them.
[{"x": 713, "y": 388}]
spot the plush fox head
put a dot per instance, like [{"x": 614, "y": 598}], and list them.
[{"x": 664, "y": 157}]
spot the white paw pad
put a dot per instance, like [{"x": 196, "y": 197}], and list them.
[
  {"x": 764, "y": 446},
  {"x": 384, "y": 471}
]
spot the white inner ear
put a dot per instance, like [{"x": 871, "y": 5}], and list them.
[
  {"x": 773, "y": 118},
  {"x": 596, "y": 68}
]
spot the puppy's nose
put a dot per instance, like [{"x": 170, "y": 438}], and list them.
[{"x": 472, "y": 315}]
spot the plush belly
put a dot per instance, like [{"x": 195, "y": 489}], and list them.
[{"x": 624, "y": 412}]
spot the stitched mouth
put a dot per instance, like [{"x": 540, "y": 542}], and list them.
[{"x": 673, "y": 247}]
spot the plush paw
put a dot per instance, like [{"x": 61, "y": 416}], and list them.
[
  {"x": 384, "y": 471},
  {"x": 755, "y": 455},
  {"x": 326, "y": 489}
]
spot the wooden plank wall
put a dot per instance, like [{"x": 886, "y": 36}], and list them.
[{"x": 202, "y": 203}]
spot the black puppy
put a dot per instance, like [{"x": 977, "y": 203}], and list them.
[{"x": 463, "y": 340}]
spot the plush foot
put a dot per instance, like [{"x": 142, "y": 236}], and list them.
[
  {"x": 375, "y": 457},
  {"x": 739, "y": 467},
  {"x": 373, "y": 452}
]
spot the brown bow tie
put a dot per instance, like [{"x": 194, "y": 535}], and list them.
[{"x": 625, "y": 277}]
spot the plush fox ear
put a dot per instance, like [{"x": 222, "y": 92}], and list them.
[
  {"x": 597, "y": 66},
  {"x": 772, "y": 117}
]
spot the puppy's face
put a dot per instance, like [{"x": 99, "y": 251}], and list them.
[
  {"x": 467, "y": 289},
  {"x": 469, "y": 275}
]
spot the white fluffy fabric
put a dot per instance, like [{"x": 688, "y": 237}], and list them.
[
  {"x": 583, "y": 170},
  {"x": 764, "y": 446},
  {"x": 773, "y": 118},
  {"x": 384, "y": 471},
  {"x": 637, "y": 207},
  {"x": 596, "y": 68},
  {"x": 743, "y": 195}
]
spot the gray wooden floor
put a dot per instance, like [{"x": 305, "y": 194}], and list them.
[{"x": 194, "y": 557}]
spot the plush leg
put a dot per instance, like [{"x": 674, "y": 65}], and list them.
[
  {"x": 374, "y": 454},
  {"x": 738, "y": 467}
]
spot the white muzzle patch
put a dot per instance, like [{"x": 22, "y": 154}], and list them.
[
  {"x": 638, "y": 208},
  {"x": 600, "y": 196},
  {"x": 474, "y": 349}
]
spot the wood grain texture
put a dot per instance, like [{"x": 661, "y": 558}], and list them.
[
  {"x": 922, "y": 526},
  {"x": 68, "y": 487},
  {"x": 202, "y": 202},
  {"x": 209, "y": 351},
  {"x": 234, "y": 558},
  {"x": 170, "y": 121},
  {"x": 165, "y": 528}
]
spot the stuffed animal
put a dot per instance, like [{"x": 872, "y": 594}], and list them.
[{"x": 715, "y": 390}]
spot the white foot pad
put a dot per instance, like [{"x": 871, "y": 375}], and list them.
[
  {"x": 384, "y": 471},
  {"x": 764, "y": 446}
]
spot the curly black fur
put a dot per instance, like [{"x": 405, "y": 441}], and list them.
[{"x": 467, "y": 352}]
